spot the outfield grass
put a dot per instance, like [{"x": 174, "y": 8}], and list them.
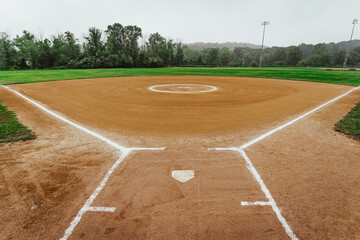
[
  {"x": 11, "y": 130},
  {"x": 350, "y": 124},
  {"x": 303, "y": 74}
]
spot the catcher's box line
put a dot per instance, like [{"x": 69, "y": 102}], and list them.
[{"x": 124, "y": 153}]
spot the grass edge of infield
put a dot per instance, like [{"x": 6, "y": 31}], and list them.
[
  {"x": 350, "y": 124},
  {"x": 11, "y": 130}
]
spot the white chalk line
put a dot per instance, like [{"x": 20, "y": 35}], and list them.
[
  {"x": 186, "y": 86},
  {"x": 272, "y": 202},
  {"x": 256, "y": 175},
  {"x": 102, "y": 138},
  {"x": 87, "y": 206},
  {"x": 101, "y": 209},
  {"x": 255, "y": 203},
  {"x": 294, "y": 120},
  {"x": 124, "y": 152}
]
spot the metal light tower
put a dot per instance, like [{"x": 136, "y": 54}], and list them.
[
  {"x": 355, "y": 21},
  {"x": 262, "y": 44},
  {"x": 244, "y": 55}
]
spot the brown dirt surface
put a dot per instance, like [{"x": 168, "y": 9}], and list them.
[
  {"x": 311, "y": 171},
  {"x": 126, "y": 110}
]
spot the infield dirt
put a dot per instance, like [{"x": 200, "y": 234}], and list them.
[{"x": 311, "y": 170}]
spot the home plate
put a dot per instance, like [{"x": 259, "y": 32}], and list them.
[{"x": 183, "y": 175}]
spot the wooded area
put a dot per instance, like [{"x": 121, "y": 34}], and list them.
[{"x": 125, "y": 47}]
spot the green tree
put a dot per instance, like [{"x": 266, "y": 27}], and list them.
[
  {"x": 153, "y": 44},
  {"x": 294, "y": 55},
  {"x": 225, "y": 57},
  {"x": 237, "y": 54},
  {"x": 44, "y": 49},
  {"x": 354, "y": 58},
  {"x": 212, "y": 56},
  {"x": 319, "y": 49},
  {"x": 28, "y": 55},
  {"x": 94, "y": 44},
  {"x": 71, "y": 48},
  {"x": 124, "y": 40},
  {"x": 338, "y": 57},
  {"x": 179, "y": 56},
  {"x": 7, "y": 53}
]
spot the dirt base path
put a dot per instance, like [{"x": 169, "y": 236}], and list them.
[
  {"x": 46, "y": 181},
  {"x": 124, "y": 109}
]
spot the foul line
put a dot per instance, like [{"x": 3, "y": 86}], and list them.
[
  {"x": 87, "y": 206},
  {"x": 256, "y": 175},
  {"x": 124, "y": 153},
  {"x": 295, "y": 120}
]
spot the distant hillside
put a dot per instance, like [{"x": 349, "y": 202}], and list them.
[{"x": 230, "y": 45}]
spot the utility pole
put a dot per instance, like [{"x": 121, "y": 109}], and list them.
[
  {"x": 355, "y": 21},
  {"x": 244, "y": 55},
  {"x": 262, "y": 44}
]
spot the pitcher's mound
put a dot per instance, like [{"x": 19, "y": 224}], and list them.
[{"x": 182, "y": 88}]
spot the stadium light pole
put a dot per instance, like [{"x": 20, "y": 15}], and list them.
[
  {"x": 244, "y": 55},
  {"x": 355, "y": 21},
  {"x": 262, "y": 44}
]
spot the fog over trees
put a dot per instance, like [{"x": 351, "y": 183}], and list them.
[{"x": 121, "y": 46}]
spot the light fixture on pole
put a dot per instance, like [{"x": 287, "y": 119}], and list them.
[
  {"x": 355, "y": 21},
  {"x": 262, "y": 44}
]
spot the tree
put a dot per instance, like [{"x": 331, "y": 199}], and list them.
[
  {"x": 279, "y": 55},
  {"x": 71, "y": 48},
  {"x": 153, "y": 44},
  {"x": 293, "y": 56},
  {"x": 225, "y": 57},
  {"x": 124, "y": 40},
  {"x": 319, "y": 49},
  {"x": 212, "y": 56},
  {"x": 94, "y": 44},
  {"x": 354, "y": 58},
  {"x": 44, "y": 49},
  {"x": 58, "y": 58},
  {"x": 28, "y": 55},
  {"x": 237, "y": 54},
  {"x": 179, "y": 56},
  {"x": 7, "y": 53}
]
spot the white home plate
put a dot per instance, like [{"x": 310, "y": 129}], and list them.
[{"x": 183, "y": 175}]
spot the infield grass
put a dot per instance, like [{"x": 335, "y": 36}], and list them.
[
  {"x": 11, "y": 130},
  {"x": 302, "y": 74},
  {"x": 350, "y": 124}
]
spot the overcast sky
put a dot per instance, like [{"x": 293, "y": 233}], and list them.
[{"x": 292, "y": 22}]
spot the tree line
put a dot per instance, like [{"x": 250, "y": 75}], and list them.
[
  {"x": 117, "y": 46},
  {"x": 125, "y": 46},
  {"x": 319, "y": 55}
]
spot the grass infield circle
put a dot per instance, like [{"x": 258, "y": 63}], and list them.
[{"x": 183, "y": 88}]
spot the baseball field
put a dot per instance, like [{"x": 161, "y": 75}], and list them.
[{"x": 180, "y": 153}]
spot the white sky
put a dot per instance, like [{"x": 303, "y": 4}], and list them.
[{"x": 291, "y": 21}]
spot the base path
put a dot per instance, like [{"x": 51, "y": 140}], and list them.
[{"x": 125, "y": 108}]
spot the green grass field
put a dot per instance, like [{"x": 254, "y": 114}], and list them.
[
  {"x": 11, "y": 130},
  {"x": 302, "y": 74}
]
